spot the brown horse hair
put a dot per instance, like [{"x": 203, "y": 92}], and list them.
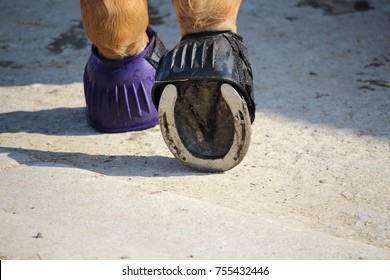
[
  {"x": 206, "y": 15},
  {"x": 116, "y": 27}
]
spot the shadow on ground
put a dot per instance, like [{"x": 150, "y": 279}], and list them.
[
  {"x": 72, "y": 122},
  {"x": 58, "y": 121},
  {"x": 124, "y": 165}
]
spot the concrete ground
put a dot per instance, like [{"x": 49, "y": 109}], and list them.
[{"x": 314, "y": 185}]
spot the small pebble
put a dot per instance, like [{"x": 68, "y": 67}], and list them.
[{"x": 39, "y": 235}]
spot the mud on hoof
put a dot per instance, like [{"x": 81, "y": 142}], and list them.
[
  {"x": 205, "y": 124},
  {"x": 203, "y": 119}
]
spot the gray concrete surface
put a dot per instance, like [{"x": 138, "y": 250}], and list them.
[{"x": 314, "y": 185}]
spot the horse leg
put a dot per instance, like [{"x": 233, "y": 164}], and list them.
[
  {"x": 120, "y": 72},
  {"x": 204, "y": 87},
  {"x": 116, "y": 28},
  {"x": 206, "y": 15}
]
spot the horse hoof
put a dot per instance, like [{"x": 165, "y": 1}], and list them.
[
  {"x": 204, "y": 96},
  {"x": 213, "y": 138}
]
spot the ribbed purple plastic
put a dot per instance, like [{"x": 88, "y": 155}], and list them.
[{"x": 118, "y": 92}]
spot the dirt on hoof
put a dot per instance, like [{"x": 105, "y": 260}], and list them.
[{"x": 203, "y": 119}]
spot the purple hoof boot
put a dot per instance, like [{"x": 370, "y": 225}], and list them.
[{"x": 118, "y": 92}]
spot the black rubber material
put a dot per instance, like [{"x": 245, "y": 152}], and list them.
[
  {"x": 156, "y": 52},
  {"x": 208, "y": 56}
]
